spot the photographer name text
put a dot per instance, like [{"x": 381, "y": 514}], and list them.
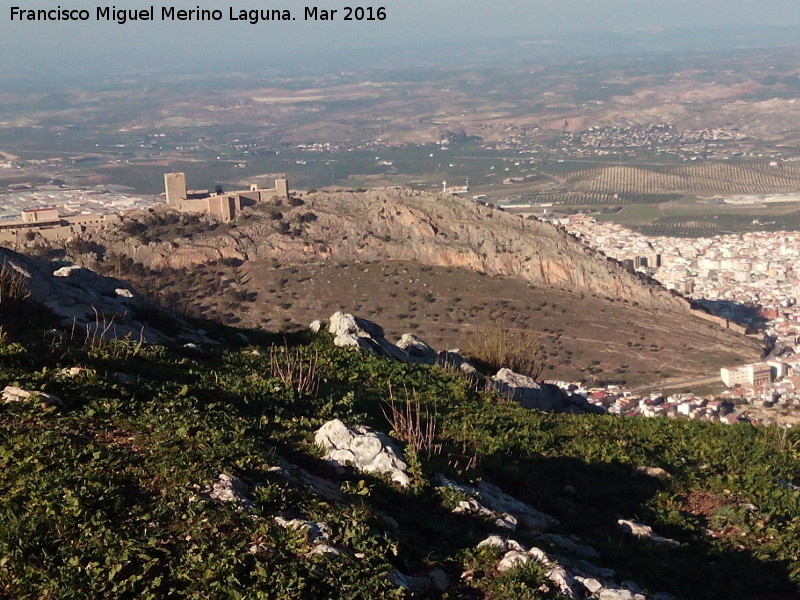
[{"x": 112, "y": 14}]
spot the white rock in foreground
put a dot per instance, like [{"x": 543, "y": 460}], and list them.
[
  {"x": 517, "y": 555},
  {"x": 570, "y": 545},
  {"x": 452, "y": 359},
  {"x": 325, "y": 549},
  {"x": 316, "y": 531},
  {"x": 488, "y": 499},
  {"x": 296, "y": 475},
  {"x": 16, "y": 394},
  {"x": 350, "y": 331},
  {"x": 72, "y": 372},
  {"x": 656, "y": 472},
  {"x": 230, "y": 489},
  {"x": 362, "y": 447},
  {"x": 641, "y": 530},
  {"x": 418, "y": 351},
  {"x": 540, "y": 396},
  {"x": 67, "y": 271},
  {"x": 354, "y": 332},
  {"x": 570, "y": 580},
  {"x": 91, "y": 304}
]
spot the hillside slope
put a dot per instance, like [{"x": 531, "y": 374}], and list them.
[
  {"x": 414, "y": 259},
  {"x": 195, "y": 471}
]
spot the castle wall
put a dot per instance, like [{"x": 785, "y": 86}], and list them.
[
  {"x": 40, "y": 215},
  {"x": 721, "y": 321}
]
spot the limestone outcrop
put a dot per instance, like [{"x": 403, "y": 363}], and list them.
[
  {"x": 350, "y": 331},
  {"x": 365, "y": 449},
  {"x": 641, "y": 530},
  {"x": 354, "y": 332},
  {"x": 91, "y": 305},
  {"x": 302, "y": 478},
  {"x": 570, "y": 580},
  {"x": 452, "y": 359},
  {"x": 429, "y": 228},
  {"x": 540, "y": 396},
  {"x": 230, "y": 489},
  {"x": 656, "y": 472},
  {"x": 12, "y": 394},
  {"x": 487, "y": 499},
  {"x": 317, "y": 534},
  {"x": 416, "y": 349}
]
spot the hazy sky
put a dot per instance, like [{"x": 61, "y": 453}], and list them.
[{"x": 31, "y": 47}]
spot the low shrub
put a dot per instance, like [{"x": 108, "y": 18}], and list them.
[{"x": 497, "y": 346}]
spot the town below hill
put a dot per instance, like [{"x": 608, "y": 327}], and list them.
[{"x": 748, "y": 278}]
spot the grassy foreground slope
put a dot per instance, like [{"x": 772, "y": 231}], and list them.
[{"x": 104, "y": 497}]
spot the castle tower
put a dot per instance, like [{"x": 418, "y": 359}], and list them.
[
  {"x": 175, "y": 186},
  {"x": 282, "y": 187}
]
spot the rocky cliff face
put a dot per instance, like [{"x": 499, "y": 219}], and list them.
[
  {"x": 441, "y": 230},
  {"x": 400, "y": 224}
]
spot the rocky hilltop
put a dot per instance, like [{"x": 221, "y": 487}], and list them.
[{"x": 406, "y": 225}]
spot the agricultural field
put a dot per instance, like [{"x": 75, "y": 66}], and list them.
[
  {"x": 683, "y": 227},
  {"x": 604, "y": 199},
  {"x": 704, "y": 179},
  {"x": 680, "y": 200},
  {"x": 704, "y": 226}
]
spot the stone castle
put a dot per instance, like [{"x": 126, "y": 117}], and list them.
[{"x": 225, "y": 206}]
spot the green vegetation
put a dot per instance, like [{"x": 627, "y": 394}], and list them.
[{"x": 104, "y": 498}]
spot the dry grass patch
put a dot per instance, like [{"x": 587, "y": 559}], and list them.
[{"x": 498, "y": 346}]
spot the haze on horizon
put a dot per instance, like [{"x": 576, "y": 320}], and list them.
[{"x": 62, "y": 50}]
